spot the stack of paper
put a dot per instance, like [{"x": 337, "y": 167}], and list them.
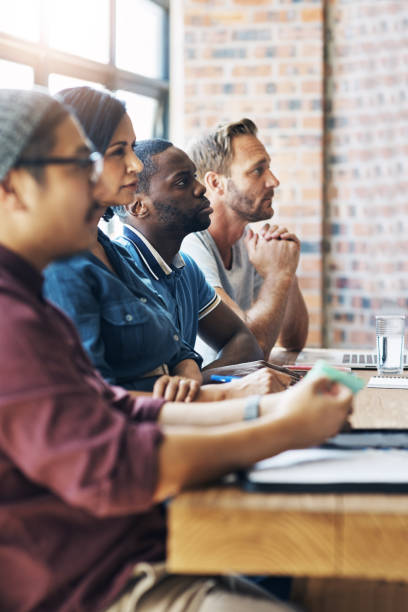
[
  {"x": 388, "y": 382},
  {"x": 331, "y": 470}
]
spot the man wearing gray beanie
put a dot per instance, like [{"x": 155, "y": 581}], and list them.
[
  {"x": 20, "y": 114},
  {"x": 84, "y": 466}
]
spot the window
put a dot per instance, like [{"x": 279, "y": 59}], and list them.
[
  {"x": 118, "y": 44},
  {"x": 143, "y": 112},
  {"x": 137, "y": 25},
  {"x": 16, "y": 76},
  {"x": 56, "y": 82},
  {"x": 82, "y": 29},
  {"x": 28, "y": 27}
]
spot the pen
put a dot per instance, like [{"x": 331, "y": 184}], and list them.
[
  {"x": 306, "y": 368},
  {"x": 301, "y": 368},
  {"x": 285, "y": 370},
  {"x": 223, "y": 379}
]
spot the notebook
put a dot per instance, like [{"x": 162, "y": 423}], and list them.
[
  {"x": 330, "y": 470},
  {"x": 388, "y": 382},
  {"x": 355, "y": 359},
  {"x": 369, "y": 438}
]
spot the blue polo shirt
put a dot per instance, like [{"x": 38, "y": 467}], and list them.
[
  {"x": 124, "y": 324},
  {"x": 182, "y": 285}
]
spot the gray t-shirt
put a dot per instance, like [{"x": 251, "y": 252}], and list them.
[{"x": 242, "y": 282}]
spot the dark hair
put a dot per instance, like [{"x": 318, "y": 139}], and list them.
[
  {"x": 145, "y": 150},
  {"x": 43, "y": 139},
  {"x": 99, "y": 113}
]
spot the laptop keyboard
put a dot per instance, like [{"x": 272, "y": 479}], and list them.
[{"x": 363, "y": 359}]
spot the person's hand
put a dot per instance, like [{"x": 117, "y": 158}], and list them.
[
  {"x": 260, "y": 382},
  {"x": 275, "y": 232},
  {"x": 275, "y": 257},
  {"x": 176, "y": 388},
  {"x": 314, "y": 410}
]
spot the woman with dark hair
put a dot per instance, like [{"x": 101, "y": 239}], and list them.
[
  {"x": 99, "y": 113},
  {"x": 123, "y": 325}
]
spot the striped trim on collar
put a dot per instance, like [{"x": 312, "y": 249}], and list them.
[{"x": 152, "y": 259}]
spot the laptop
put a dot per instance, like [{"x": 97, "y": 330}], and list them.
[{"x": 355, "y": 359}]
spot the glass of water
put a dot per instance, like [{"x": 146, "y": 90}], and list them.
[{"x": 390, "y": 343}]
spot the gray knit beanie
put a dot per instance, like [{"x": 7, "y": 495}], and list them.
[{"x": 20, "y": 113}]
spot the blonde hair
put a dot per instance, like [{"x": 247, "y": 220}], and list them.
[{"x": 213, "y": 150}]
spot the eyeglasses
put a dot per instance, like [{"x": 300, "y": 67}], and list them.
[{"x": 94, "y": 163}]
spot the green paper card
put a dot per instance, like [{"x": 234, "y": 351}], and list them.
[{"x": 321, "y": 368}]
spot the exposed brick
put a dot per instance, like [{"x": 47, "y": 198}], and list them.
[
  {"x": 311, "y": 264},
  {"x": 194, "y": 72},
  {"x": 314, "y": 321},
  {"x": 197, "y": 19},
  {"x": 311, "y": 194},
  {"x": 274, "y": 16},
  {"x": 224, "y": 88},
  {"x": 190, "y": 90},
  {"x": 311, "y": 51},
  {"x": 252, "y": 34},
  {"x": 310, "y": 231},
  {"x": 314, "y": 337},
  {"x": 314, "y": 123},
  {"x": 254, "y": 71},
  {"x": 251, "y": 2},
  {"x": 286, "y": 87},
  {"x": 276, "y": 51},
  {"x": 312, "y": 14},
  {"x": 307, "y": 282},
  {"x": 312, "y": 86},
  {"x": 225, "y": 53}
]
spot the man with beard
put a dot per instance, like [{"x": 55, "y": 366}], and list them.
[
  {"x": 254, "y": 273},
  {"x": 170, "y": 205}
]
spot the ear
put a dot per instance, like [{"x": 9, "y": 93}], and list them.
[
  {"x": 214, "y": 182},
  {"x": 141, "y": 208},
  {"x": 9, "y": 194}
]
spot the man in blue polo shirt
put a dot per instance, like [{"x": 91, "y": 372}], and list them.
[{"x": 170, "y": 205}]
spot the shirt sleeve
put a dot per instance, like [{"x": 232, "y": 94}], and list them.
[
  {"x": 139, "y": 408},
  {"x": 208, "y": 299},
  {"x": 88, "y": 454},
  {"x": 69, "y": 290},
  {"x": 194, "y": 246},
  {"x": 93, "y": 446},
  {"x": 185, "y": 352}
]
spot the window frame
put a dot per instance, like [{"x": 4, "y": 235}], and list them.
[{"x": 45, "y": 60}]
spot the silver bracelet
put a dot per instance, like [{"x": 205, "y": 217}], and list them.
[{"x": 252, "y": 408}]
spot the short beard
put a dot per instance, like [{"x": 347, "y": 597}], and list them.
[
  {"x": 177, "y": 222},
  {"x": 243, "y": 205}
]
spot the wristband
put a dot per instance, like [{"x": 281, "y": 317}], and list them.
[{"x": 252, "y": 407}]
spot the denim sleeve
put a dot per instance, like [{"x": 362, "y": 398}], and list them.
[
  {"x": 73, "y": 294},
  {"x": 185, "y": 352}
]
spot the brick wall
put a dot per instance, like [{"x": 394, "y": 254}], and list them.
[
  {"x": 264, "y": 59},
  {"x": 367, "y": 167}
]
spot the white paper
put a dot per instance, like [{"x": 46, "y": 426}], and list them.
[
  {"x": 330, "y": 466},
  {"x": 388, "y": 382}
]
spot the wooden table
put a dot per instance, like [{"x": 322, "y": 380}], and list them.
[{"x": 219, "y": 529}]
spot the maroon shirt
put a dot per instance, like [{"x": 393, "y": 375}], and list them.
[{"x": 78, "y": 462}]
